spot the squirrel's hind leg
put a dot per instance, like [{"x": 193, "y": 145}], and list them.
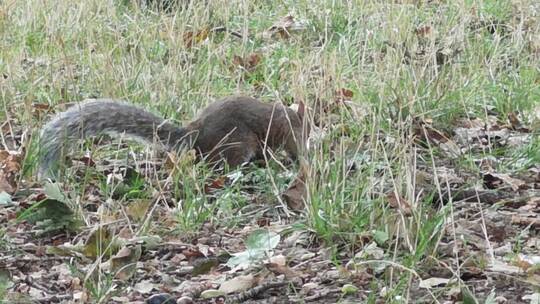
[{"x": 236, "y": 151}]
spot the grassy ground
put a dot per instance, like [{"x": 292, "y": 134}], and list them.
[{"x": 391, "y": 84}]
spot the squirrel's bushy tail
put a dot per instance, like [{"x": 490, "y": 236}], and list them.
[{"x": 101, "y": 116}]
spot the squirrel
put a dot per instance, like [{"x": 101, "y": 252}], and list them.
[{"x": 236, "y": 129}]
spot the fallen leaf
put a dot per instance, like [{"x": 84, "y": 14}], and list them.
[
  {"x": 98, "y": 242},
  {"x": 86, "y": 160},
  {"x": 399, "y": 202},
  {"x": 349, "y": 289},
  {"x": 533, "y": 298},
  {"x": 498, "y": 266},
  {"x": 284, "y": 27},
  {"x": 496, "y": 180},
  {"x": 258, "y": 245},
  {"x": 145, "y": 287},
  {"x": 247, "y": 63},
  {"x": 279, "y": 260},
  {"x": 522, "y": 220},
  {"x": 195, "y": 37},
  {"x": 344, "y": 94},
  {"x": 6, "y": 185},
  {"x": 215, "y": 184},
  {"x": 237, "y": 284},
  {"x": 124, "y": 263},
  {"x": 423, "y": 31},
  {"x": 5, "y": 198},
  {"x": 160, "y": 298},
  {"x": 137, "y": 209},
  {"x": 204, "y": 265},
  {"x": 296, "y": 194},
  {"x": 38, "y": 109},
  {"x": 532, "y": 205},
  {"x": 278, "y": 269},
  {"x": 212, "y": 293},
  {"x": 10, "y": 166},
  {"x": 515, "y": 123},
  {"x": 433, "y": 282}
]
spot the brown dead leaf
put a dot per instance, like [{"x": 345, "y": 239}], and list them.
[
  {"x": 516, "y": 124},
  {"x": 472, "y": 123},
  {"x": 526, "y": 221},
  {"x": 342, "y": 97},
  {"x": 238, "y": 284},
  {"x": 191, "y": 253},
  {"x": 124, "y": 263},
  {"x": 398, "y": 202},
  {"x": 204, "y": 265},
  {"x": 10, "y": 166},
  {"x": 497, "y": 180},
  {"x": 532, "y": 205},
  {"x": 43, "y": 107},
  {"x": 296, "y": 194},
  {"x": 4, "y": 155},
  {"x": 7, "y": 185},
  {"x": 195, "y": 37},
  {"x": 523, "y": 262},
  {"x": 38, "y": 109},
  {"x": 424, "y": 131},
  {"x": 10, "y": 162},
  {"x": 247, "y": 63},
  {"x": 278, "y": 269},
  {"x": 423, "y": 31},
  {"x": 86, "y": 160},
  {"x": 99, "y": 238},
  {"x": 344, "y": 94},
  {"x": 284, "y": 27},
  {"x": 137, "y": 210},
  {"x": 215, "y": 184},
  {"x": 433, "y": 282},
  {"x": 174, "y": 161},
  {"x": 264, "y": 221}
]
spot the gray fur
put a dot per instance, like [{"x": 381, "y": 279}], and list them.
[{"x": 102, "y": 116}]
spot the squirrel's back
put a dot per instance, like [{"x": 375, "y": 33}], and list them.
[{"x": 101, "y": 116}]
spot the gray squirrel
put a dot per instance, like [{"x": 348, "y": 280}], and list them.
[{"x": 235, "y": 129}]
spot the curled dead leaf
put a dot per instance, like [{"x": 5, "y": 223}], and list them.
[
  {"x": 38, "y": 109},
  {"x": 195, "y": 37},
  {"x": 433, "y": 282},
  {"x": 526, "y": 221},
  {"x": 124, "y": 263},
  {"x": 238, "y": 284},
  {"x": 515, "y": 123},
  {"x": 278, "y": 269},
  {"x": 296, "y": 194},
  {"x": 284, "y": 27},
  {"x": 10, "y": 166},
  {"x": 498, "y": 180},
  {"x": 247, "y": 63},
  {"x": 215, "y": 184},
  {"x": 423, "y": 31},
  {"x": 398, "y": 202}
]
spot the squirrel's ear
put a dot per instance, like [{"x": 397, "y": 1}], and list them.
[{"x": 301, "y": 109}]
